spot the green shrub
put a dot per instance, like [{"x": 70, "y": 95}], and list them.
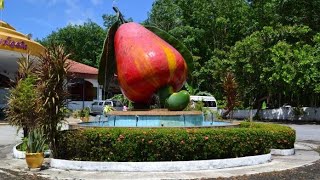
[
  {"x": 282, "y": 137},
  {"x": 76, "y": 113},
  {"x": 172, "y": 144},
  {"x": 23, "y": 145}
]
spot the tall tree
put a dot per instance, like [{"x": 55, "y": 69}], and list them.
[
  {"x": 109, "y": 19},
  {"x": 84, "y": 42},
  {"x": 165, "y": 14},
  {"x": 270, "y": 62}
]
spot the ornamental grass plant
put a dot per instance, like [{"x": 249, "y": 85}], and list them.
[
  {"x": 23, "y": 102},
  {"x": 52, "y": 74}
]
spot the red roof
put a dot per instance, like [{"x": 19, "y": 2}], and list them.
[{"x": 79, "y": 68}]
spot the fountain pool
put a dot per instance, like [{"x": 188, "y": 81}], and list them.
[{"x": 154, "y": 118}]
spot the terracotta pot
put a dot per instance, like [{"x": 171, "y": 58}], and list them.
[{"x": 34, "y": 160}]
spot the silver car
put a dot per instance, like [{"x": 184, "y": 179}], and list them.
[{"x": 97, "y": 107}]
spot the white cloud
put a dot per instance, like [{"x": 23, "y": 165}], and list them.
[
  {"x": 76, "y": 14},
  {"x": 74, "y": 11},
  {"x": 76, "y": 22}
]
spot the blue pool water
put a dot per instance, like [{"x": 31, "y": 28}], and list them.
[{"x": 154, "y": 121}]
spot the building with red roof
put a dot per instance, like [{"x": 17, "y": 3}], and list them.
[
  {"x": 82, "y": 70},
  {"x": 83, "y": 86}
]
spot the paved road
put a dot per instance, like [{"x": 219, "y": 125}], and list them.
[
  {"x": 8, "y": 135},
  {"x": 307, "y": 132}
]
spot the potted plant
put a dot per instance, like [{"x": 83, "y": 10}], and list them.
[{"x": 35, "y": 148}]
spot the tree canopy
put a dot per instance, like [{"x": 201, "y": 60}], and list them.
[{"x": 271, "y": 46}]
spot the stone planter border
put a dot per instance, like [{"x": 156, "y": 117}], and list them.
[
  {"x": 18, "y": 154},
  {"x": 283, "y": 152},
  {"x": 164, "y": 166}
]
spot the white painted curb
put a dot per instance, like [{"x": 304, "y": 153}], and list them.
[
  {"x": 18, "y": 154},
  {"x": 283, "y": 152},
  {"x": 160, "y": 166}
]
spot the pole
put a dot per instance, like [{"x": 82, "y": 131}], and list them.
[{"x": 83, "y": 82}]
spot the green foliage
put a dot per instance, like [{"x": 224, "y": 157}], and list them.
[
  {"x": 86, "y": 111},
  {"x": 278, "y": 61},
  {"x": 172, "y": 144},
  {"x": 165, "y": 14},
  {"x": 199, "y": 106},
  {"x": 76, "y": 114},
  {"x": 216, "y": 114},
  {"x": 22, "y": 104},
  {"x": 268, "y": 45},
  {"x": 209, "y": 113},
  {"x": 67, "y": 112},
  {"x": 23, "y": 145},
  {"x": 121, "y": 98},
  {"x": 107, "y": 65},
  {"x": 107, "y": 109},
  {"x": 281, "y": 137},
  {"x": 83, "y": 42},
  {"x": 195, "y": 91},
  {"x": 23, "y": 101},
  {"x": 109, "y": 20},
  {"x": 195, "y": 106},
  {"x": 36, "y": 141},
  {"x": 298, "y": 111},
  {"x": 82, "y": 113}
]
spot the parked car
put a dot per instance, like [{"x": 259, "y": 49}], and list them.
[{"x": 97, "y": 107}]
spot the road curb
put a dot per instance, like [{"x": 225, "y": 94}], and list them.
[{"x": 165, "y": 166}]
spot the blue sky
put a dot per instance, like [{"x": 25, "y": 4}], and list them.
[{"x": 41, "y": 17}]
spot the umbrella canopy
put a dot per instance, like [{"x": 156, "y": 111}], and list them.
[{"x": 14, "y": 45}]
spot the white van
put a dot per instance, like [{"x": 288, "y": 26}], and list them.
[{"x": 209, "y": 101}]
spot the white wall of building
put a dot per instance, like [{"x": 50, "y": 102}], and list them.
[{"x": 283, "y": 113}]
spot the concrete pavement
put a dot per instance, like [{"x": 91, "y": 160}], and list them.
[
  {"x": 305, "y": 155},
  {"x": 306, "y": 132}
]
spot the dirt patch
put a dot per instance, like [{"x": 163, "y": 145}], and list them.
[
  {"x": 309, "y": 172},
  {"x": 6, "y": 174}
]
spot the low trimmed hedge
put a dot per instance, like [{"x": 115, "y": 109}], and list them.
[{"x": 172, "y": 144}]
